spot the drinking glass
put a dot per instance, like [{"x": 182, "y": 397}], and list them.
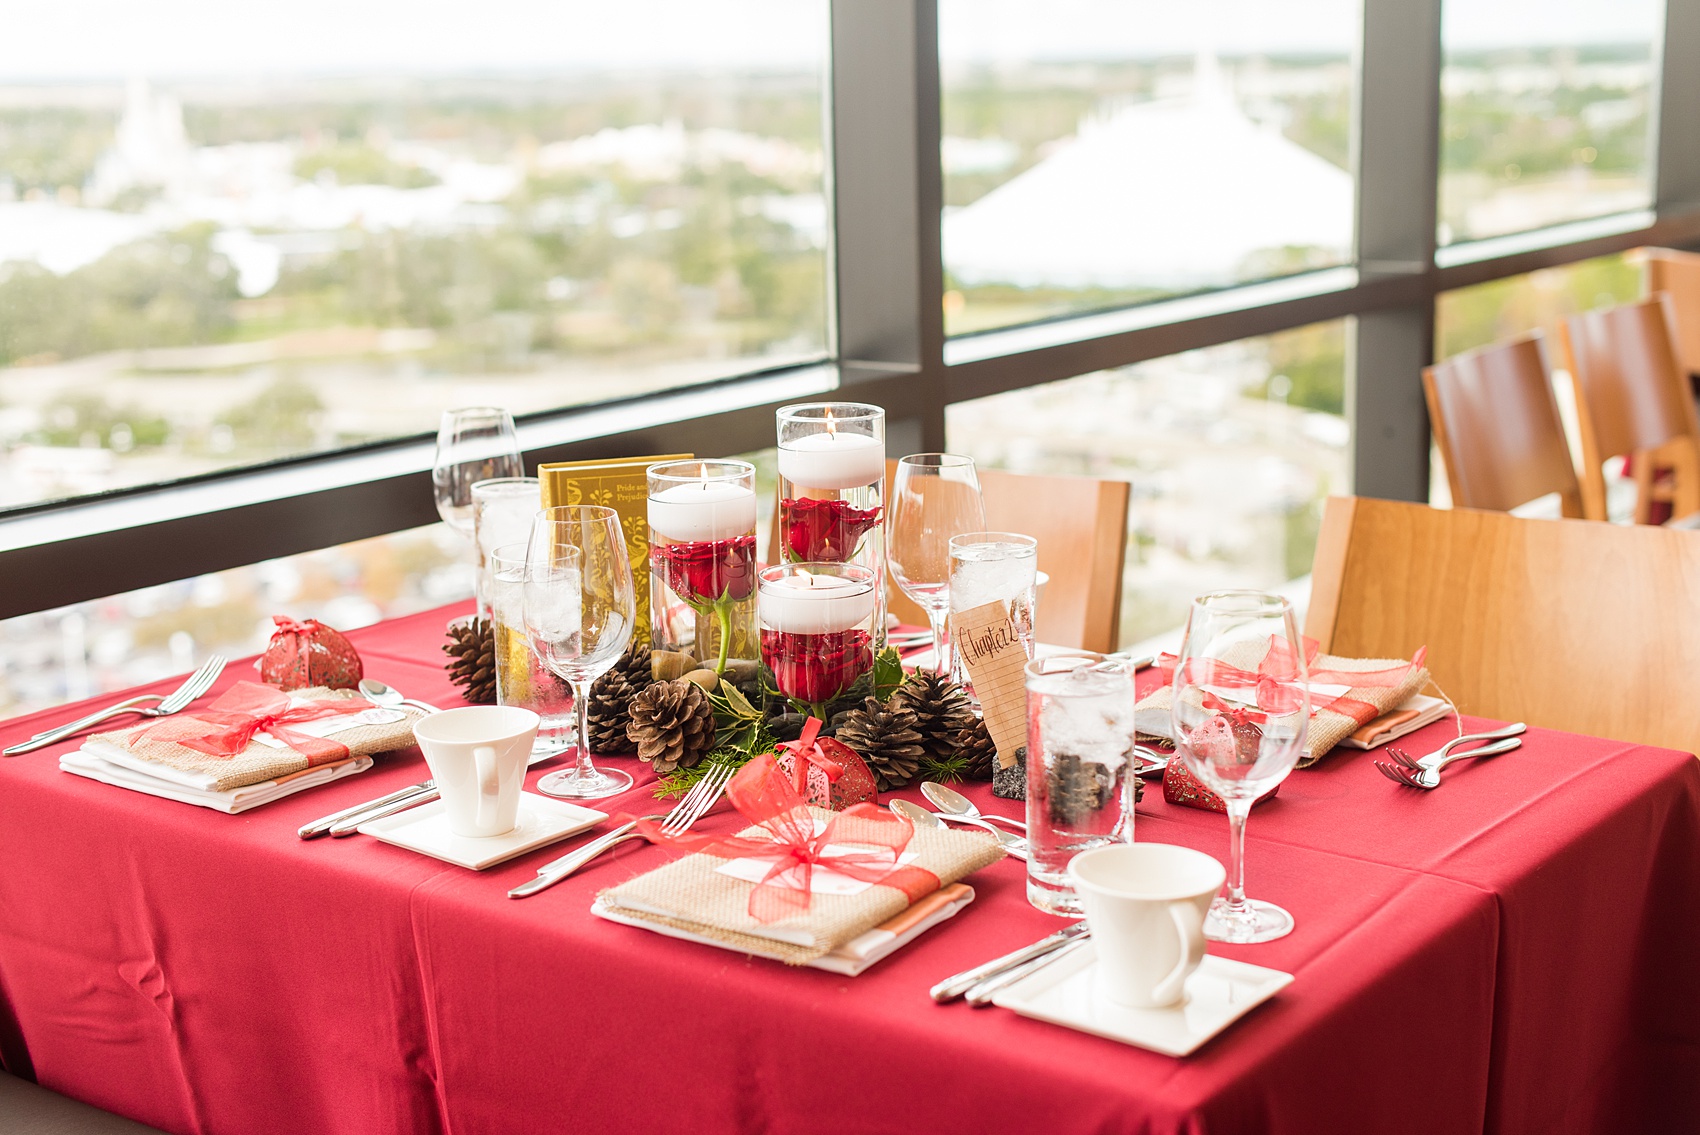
[
  {"x": 934, "y": 497},
  {"x": 579, "y": 610},
  {"x": 1079, "y": 768},
  {"x": 995, "y": 567},
  {"x": 474, "y": 444},
  {"x": 502, "y": 511},
  {"x": 521, "y": 678},
  {"x": 1241, "y": 712}
]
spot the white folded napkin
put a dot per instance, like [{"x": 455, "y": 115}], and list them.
[{"x": 110, "y": 765}]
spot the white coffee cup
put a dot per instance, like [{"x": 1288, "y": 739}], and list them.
[
  {"x": 1146, "y": 903},
  {"x": 478, "y": 756}
]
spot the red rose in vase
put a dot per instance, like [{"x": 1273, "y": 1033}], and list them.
[
  {"x": 706, "y": 572},
  {"x": 824, "y": 531},
  {"x": 815, "y": 668}
]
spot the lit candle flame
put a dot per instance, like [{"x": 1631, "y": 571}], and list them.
[{"x": 831, "y": 426}]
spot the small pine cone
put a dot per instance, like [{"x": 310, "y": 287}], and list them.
[
  {"x": 884, "y": 735},
  {"x": 472, "y": 660},
  {"x": 609, "y": 711},
  {"x": 941, "y": 710},
  {"x": 672, "y": 725},
  {"x": 1077, "y": 788},
  {"x": 976, "y": 751}
]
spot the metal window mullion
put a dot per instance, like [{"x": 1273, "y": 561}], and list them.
[
  {"x": 1396, "y": 158},
  {"x": 1675, "y": 142}
]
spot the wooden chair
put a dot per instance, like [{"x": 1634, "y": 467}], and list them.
[
  {"x": 1081, "y": 526},
  {"x": 1632, "y": 398},
  {"x": 1590, "y": 628},
  {"x": 1496, "y": 424},
  {"x": 1677, "y": 275}
]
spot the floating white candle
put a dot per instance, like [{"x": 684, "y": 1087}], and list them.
[
  {"x": 703, "y": 510},
  {"x": 829, "y": 460},
  {"x": 803, "y": 603}
]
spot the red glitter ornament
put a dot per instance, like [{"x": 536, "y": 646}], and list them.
[{"x": 305, "y": 653}]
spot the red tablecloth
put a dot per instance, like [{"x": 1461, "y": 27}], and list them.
[{"x": 1513, "y": 953}]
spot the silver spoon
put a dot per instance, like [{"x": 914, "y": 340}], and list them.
[
  {"x": 378, "y": 693},
  {"x": 1013, "y": 845},
  {"x": 952, "y": 802}
]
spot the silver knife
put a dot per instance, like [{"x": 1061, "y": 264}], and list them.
[
  {"x": 953, "y": 987},
  {"x": 557, "y": 869},
  {"x": 324, "y": 823},
  {"x": 981, "y": 995}
]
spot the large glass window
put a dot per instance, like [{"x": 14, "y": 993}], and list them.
[
  {"x": 1546, "y": 108},
  {"x": 231, "y": 233},
  {"x": 1098, "y": 153},
  {"x": 1231, "y": 452}
]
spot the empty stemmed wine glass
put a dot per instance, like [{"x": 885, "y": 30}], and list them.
[
  {"x": 934, "y": 497},
  {"x": 579, "y": 612},
  {"x": 475, "y": 443},
  {"x": 1241, "y": 712}
]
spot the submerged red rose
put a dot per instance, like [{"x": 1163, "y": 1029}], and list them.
[
  {"x": 824, "y": 531},
  {"x": 706, "y": 572},
  {"x": 815, "y": 668}
]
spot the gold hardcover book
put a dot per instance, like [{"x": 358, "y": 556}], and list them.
[{"x": 623, "y": 486}]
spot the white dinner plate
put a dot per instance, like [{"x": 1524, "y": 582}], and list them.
[
  {"x": 542, "y": 820},
  {"x": 1218, "y": 993}
]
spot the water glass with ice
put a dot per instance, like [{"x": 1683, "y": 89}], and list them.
[
  {"x": 502, "y": 512},
  {"x": 996, "y": 567},
  {"x": 1080, "y": 767},
  {"x": 521, "y": 678}
]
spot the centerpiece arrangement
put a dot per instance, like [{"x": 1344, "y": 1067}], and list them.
[{"x": 788, "y": 661}]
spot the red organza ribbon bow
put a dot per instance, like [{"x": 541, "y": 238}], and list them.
[
  {"x": 225, "y": 727},
  {"x": 805, "y": 752},
  {"x": 861, "y": 842},
  {"x": 1277, "y": 686}
]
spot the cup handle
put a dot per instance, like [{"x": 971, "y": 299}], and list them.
[
  {"x": 1191, "y": 930},
  {"x": 484, "y": 757}
]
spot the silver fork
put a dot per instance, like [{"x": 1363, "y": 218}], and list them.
[
  {"x": 193, "y": 687},
  {"x": 1428, "y": 776},
  {"x": 1419, "y": 764},
  {"x": 686, "y": 812}
]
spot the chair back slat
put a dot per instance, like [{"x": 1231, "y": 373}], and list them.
[{"x": 1497, "y": 426}]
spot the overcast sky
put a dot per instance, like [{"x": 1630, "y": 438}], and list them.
[{"x": 65, "y": 39}]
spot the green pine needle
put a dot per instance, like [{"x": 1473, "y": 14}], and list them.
[{"x": 952, "y": 769}]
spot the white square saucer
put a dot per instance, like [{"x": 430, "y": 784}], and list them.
[
  {"x": 1218, "y": 993},
  {"x": 425, "y": 829}
]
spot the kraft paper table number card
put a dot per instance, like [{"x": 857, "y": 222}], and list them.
[
  {"x": 622, "y": 485},
  {"x": 997, "y": 662}
]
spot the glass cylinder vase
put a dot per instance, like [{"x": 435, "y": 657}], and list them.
[
  {"x": 832, "y": 490},
  {"x": 817, "y": 624},
  {"x": 702, "y": 558}
]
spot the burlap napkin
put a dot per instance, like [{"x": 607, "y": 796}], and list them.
[
  {"x": 1329, "y": 725},
  {"x": 692, "y": 894},
  {"x": 363, "y": 734}
]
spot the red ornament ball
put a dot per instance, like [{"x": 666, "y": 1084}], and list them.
[{"x": 304, "y": 653}]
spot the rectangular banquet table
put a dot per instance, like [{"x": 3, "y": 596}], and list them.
[{"x": 1512, "y": 953}]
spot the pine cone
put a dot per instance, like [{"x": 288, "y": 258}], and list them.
[
  {"x": 611, "y": 695},
  {"x": 672, "y": 725},
  {"x": 941, "y": 711},
  {"x": 974, "y": 748},
  {"x": 885, "y": 736},
  {"x": 472, "y": 660}
]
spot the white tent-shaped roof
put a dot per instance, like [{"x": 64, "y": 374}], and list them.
[{"x": 1174, "y": 194}]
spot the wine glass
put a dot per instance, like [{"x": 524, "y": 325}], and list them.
[
  {"x": 476, "y": 443},
  {"x": 1241, "y": 712},
  {"x": 935, "y": 496},
  {"x": 579, "y": 612}
]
